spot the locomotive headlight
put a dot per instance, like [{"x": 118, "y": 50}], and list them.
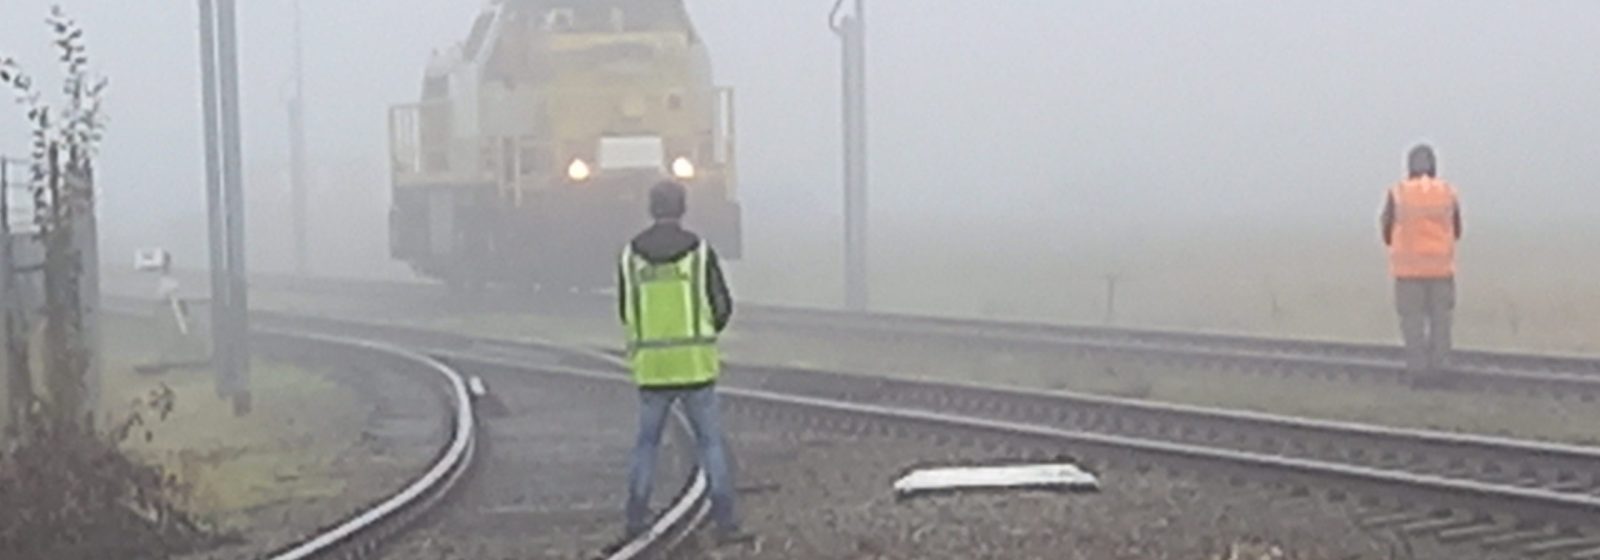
[
  {"x": 682, "y": 168},
  {"x": 579, "y": 171}
]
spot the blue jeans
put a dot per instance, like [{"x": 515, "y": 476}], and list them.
[{"x": 706, "y": 419}]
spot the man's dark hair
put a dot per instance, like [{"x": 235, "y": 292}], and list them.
[
  {"x": 668, "y": 200},
  {"x": 1421, "y": 161}
]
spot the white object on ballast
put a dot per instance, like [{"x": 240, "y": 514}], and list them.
[{"x": 1065, "y": 476}]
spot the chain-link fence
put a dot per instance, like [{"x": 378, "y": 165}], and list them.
[{"x": 21, "y": 290}]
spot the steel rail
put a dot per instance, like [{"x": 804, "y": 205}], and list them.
[
  {"x": 1463, "y": 358},
  {"x": 688, "y": 508},
  {"x": 1514, "y": 462},
  {"x": 1565, "y": 513},
  {"x": 1566, "y": 376},
  {"x": 361, "y": 534},
  {"x": 1537, "y": 465},
  {"x": 1534, "y": 479},
  {"x": 1527, "y": 463}
]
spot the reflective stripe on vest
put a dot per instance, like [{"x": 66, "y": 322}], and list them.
[
  {"x": 671, "y": 340},
  {"x": 1423, "y": 244},
  {"x": 672, "y": 343}
]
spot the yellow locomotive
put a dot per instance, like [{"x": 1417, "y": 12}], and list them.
[{"x": 529, "y": 156}]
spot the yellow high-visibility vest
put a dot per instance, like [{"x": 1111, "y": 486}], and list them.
[{"x": 672, "y": 340}]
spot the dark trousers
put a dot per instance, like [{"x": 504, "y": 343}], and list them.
[{"x": 1427, "y": 309}]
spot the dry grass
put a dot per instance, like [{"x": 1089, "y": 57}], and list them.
[
  {"x": 281, "y": 452},
  {"x": 1510, "y": 415},
  {"x": 1519, "y": 288}
]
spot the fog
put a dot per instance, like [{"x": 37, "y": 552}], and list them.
[{"x": 1025, "y": 129}]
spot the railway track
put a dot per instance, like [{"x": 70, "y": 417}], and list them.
[
  {"x": 360, "y": 534},
  {"x": 549, "y": 482},
  {"x": 1512, "y": 497},
  {"x": 381, "y": 528},
  {"x": 1556, "y": 376}
]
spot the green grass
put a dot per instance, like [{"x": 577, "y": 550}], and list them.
[{"x": 284, "y": 450}]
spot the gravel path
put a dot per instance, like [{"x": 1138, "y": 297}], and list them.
[
  {"x": 551, "y": 478},
  {"x": 824, "y": 492}
]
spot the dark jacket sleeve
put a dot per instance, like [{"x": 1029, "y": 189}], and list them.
[
  {"x": 717, "y": 291},
  {"x": 1386, "y": 223},
  {"x": 1458, "y": 220}
]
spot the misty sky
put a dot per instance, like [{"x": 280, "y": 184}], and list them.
[{"x": 1221, "y": 114}]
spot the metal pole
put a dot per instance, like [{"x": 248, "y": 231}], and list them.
[
  {"x": 16, "y": 383},
  {"x": 1111, "y": 298},
  {"x": 297, "y": 153},
  {"x": 852, "y": 33},
  {"x": 233, "y": 197},
  {"x": 221, "y": 349}
]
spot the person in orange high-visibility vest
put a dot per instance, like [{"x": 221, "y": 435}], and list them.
[{"x": 1421, "y": 225}]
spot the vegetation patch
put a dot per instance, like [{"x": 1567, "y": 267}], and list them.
[{"x": 70, "y": 495}]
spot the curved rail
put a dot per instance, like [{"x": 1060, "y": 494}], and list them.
[
  {"x": 1531, "y": 481},
  {"x": 365, "y": 532},
  {"x": 688, "y": 509},
  {"x": 1530, "y": 463},
  {"x": 361, "y": 534}
]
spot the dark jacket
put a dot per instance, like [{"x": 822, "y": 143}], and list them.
[{"x": 666, "y": 242}]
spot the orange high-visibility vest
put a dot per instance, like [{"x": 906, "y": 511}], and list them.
[{"x": 1423, "y": 244}]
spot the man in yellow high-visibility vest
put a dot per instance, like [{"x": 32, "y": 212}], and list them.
[{"x": 674, "y": 302}]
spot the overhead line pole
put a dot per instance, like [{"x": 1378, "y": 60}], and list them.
[
  {"x": 233, "y": 194},
  {"x": 851, "y": 29},
  {"x": 216, "y": 233},
  {"x": 225, "y": 200},
  {"x": 297, "y": 153}
]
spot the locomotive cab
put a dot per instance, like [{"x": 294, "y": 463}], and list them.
[{"x": 529, "y": 155}]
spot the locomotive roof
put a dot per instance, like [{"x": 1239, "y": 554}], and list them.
[{"x": 645, "y": 9}]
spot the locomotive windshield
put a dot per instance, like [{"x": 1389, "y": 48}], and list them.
[{"x": 608, "y": 16}]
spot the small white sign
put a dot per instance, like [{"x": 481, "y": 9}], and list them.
[
  {"x": 1061, "y": 476},
  {"x": 632, "y": 152},
  {"x": 146, "y": 260}
]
